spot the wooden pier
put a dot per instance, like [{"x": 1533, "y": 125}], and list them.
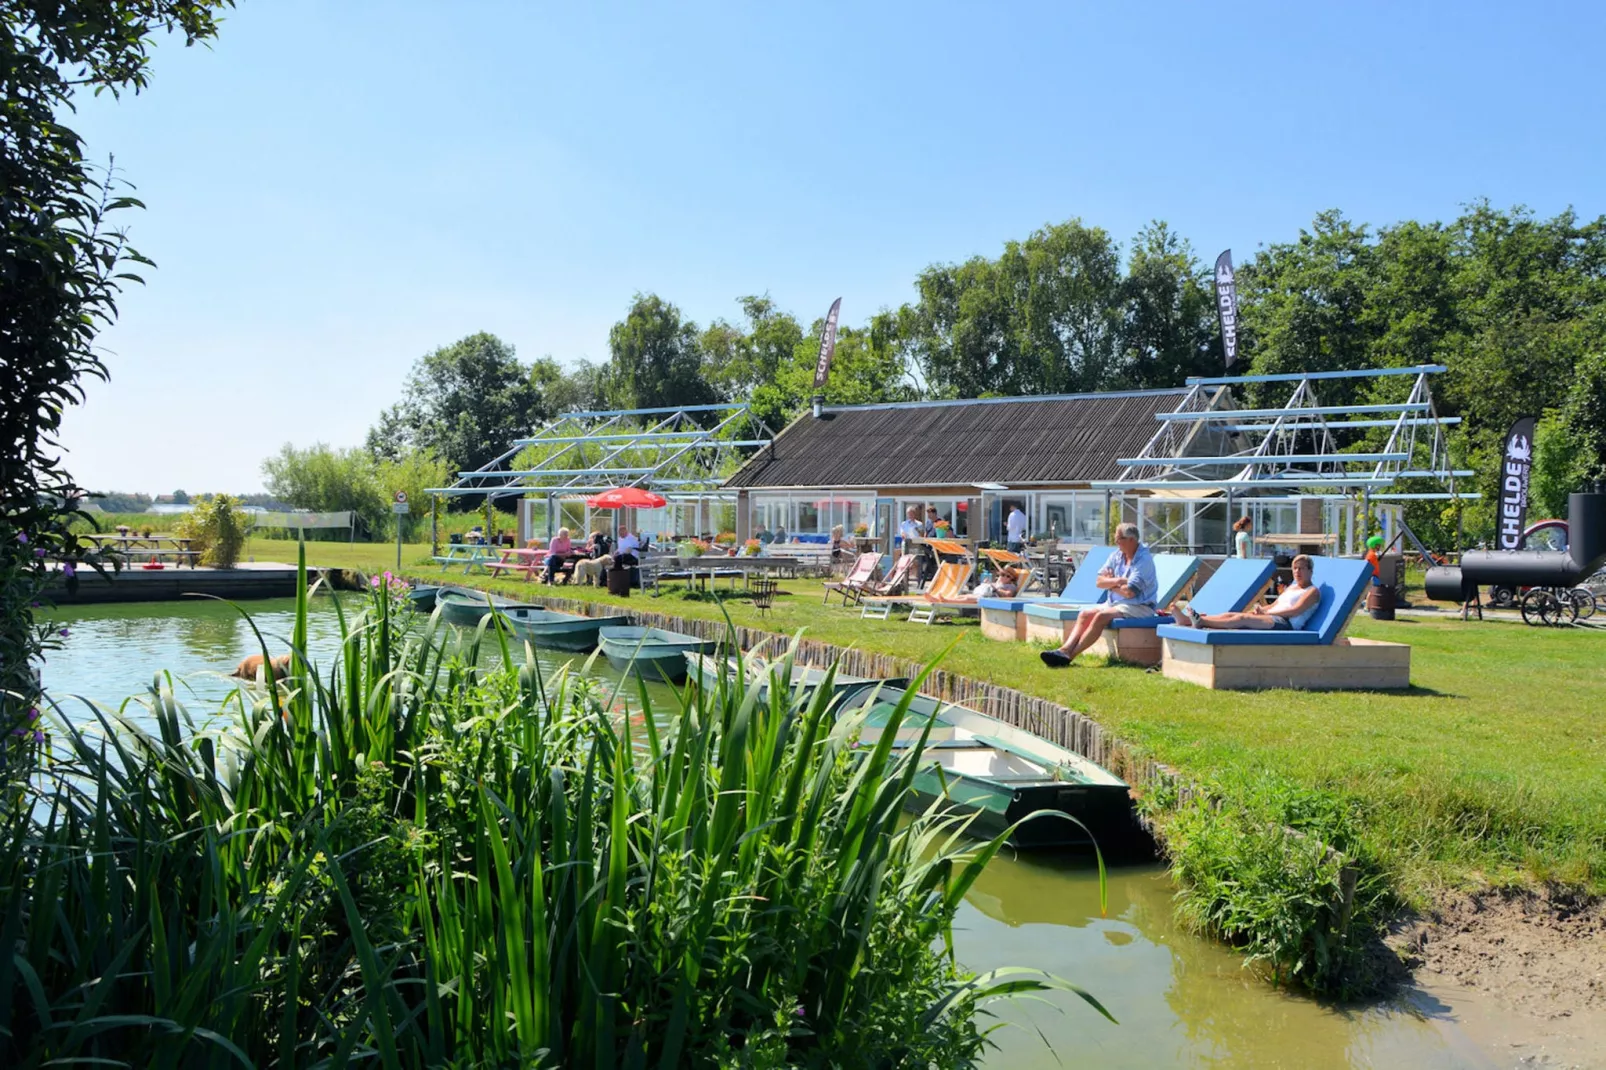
[{"x": 243, "y": 582}]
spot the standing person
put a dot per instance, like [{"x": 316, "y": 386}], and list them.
[
  {"x": 1241, "y": 538},
  {"x": 1374, "y": 549},
  {"x": 1128, "y": 574},
  {"x": 629, "y": 545},
  {"x": 1015, "y": 530},
  {"x": 932, "y": 517}
]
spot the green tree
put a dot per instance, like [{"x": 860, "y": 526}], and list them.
[
  {"x": 1168, "y": 329},
  {"x": 414, "y": 473},
  {"x": 62, "y": 264},
  {"x": 324, "y": 480},
  {"x": 180, "y": 497},
  {"x": 465, "y": 402},
  {"x": 655, "y": 360}
]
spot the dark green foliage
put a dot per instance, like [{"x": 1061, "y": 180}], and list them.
[
  {"x": 403, "y": 856},
  {"x": 1279, "y": 870},
  {"x": 62, "y": 266},
  {"x": 654, "y": 359}
]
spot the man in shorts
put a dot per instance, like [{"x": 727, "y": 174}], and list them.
[{"x": 1128, "y": 574}]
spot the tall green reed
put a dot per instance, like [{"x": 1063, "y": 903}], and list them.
[{"x": 410, "y": 859}]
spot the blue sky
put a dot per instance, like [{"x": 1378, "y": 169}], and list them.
[{"x": 336, "y": 188}]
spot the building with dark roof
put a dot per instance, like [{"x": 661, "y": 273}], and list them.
[{"x": 976, "y": 457}]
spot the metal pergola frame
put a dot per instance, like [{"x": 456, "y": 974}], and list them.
[
  {"x": 677, "y": 451},
  {"x": 1208, "y": 444}
]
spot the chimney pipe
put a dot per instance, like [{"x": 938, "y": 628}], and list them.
[{"x": 819, "y": 405}]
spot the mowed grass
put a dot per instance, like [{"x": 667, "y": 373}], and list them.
[{"x": 1491, "y": 769}]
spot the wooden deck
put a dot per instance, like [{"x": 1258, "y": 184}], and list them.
[{"x": 246, "y": 581}]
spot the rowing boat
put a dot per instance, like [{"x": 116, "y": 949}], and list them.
[
  {"x": 705, "y": 671},
  {"x": 997, "y": 773},
  {"x": 465, "y": 607},
  {"x": 651, "y": 652},
  {"x": 559, "y": 631}
]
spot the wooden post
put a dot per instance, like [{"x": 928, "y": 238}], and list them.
[{"x": 434, "y": 524}]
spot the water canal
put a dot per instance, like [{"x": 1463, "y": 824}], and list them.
[{"x": 1180, "y": 1001}]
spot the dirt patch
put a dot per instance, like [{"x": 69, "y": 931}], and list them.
[{"x": 1522, "y": 973}]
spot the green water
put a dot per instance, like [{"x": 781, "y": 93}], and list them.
[{"x": 1180, "y": 1001}]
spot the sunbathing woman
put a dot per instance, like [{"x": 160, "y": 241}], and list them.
[
  {"x": 1006, "y": 586},
  {"x": 1296, "y": 605}
]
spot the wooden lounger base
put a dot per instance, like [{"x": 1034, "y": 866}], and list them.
[
  {"x": 1346, "y": 665},
  {"x": 1135, "y": 646},
  {"x": 1003, "y": 624}
]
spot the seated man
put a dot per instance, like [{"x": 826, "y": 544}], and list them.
[
  {"x": 629, "y": 545},
  {"x": 1291, "y": 609},
  {"x": 591, "y": 571},
  {"x": 1128, "y": 575}
]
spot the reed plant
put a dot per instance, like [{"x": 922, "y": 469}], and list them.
[{"x": 408, "y": 858}]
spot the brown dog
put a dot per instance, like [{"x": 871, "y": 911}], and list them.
[{"x": 278, "y": 668}]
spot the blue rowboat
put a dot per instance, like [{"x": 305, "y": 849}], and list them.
[
  {"x": 980, "y": 766},
  {"x": 559, "y": 631},
  {"x": 651, "y": 652},
  {"x": 423, "y": 597},
  {"x": 465, "y": 607},
  {"x": 705, "y": 672}
]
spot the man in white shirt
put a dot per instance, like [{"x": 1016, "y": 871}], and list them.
[
  {"x": 625, "y": 555},
  {"x": 911, "y": 528},
  {"x": 1015, "y": 527}
]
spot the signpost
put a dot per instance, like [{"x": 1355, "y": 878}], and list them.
[{"x": 401, "y": 509}]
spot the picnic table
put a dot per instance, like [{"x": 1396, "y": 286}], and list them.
[
  {"x": 518, "y": 559},
  {"x": 470, "y": 555},
  {"x": 149, "y": 548},
  {"x": 702, "y": 575}
]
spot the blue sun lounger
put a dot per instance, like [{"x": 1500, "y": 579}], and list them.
[
  {"x": 1052, "y": 621},
  {"x": 1230, "y": 589},
  {"x": 1004, "y": 618},
  {"x": 1315, "y": 656}
]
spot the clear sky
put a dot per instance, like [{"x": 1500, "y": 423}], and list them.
[{"x": 335, "y": 188}]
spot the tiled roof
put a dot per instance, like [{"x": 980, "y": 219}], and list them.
[{"x": 1064, "y": 439}]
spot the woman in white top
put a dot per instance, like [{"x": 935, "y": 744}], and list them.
[
  {"x": 1241, "y": 539},
  {"x": 1293, "y": 608}
]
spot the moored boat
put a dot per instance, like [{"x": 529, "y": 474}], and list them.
[
  {"x": 559, "y": 631},
  {"x": 465, "y": 607},
  {"x": 704, "y": 671},
  {"x": 422, "y": 597},
  {"x": 651, "y": 652},
  {"x": 981, "y": 766}
]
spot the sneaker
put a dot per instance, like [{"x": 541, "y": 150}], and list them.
[
  {"x": 1192, "y": 615},
  {"x": 1054, "y": 659}
]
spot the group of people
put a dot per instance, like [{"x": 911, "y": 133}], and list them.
[
  {"x": 933, "y": 525},
  {"x": 592, "y": 558},
  {"x": 1129, "y": 578}
]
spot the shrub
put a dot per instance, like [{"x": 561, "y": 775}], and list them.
[
  {"x": 216, "y": 528},
  {"x": 725, "y": 539},
  {"x": 407, "y": 856}
]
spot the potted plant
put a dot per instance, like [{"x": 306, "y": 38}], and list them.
[
  {"x": 751, "y": 547},
  {"x": 725, "y": 539},
  {"x": 688, "y": 549}
]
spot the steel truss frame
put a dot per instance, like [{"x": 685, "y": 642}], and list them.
[
  {"x": 662, "y": 449},
  {"x": 1207, "y": 443}
]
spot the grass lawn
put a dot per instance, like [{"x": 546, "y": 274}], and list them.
[{"x": 1488, "y": 770}]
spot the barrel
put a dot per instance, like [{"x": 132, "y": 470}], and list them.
[
  {"x": 1380, "y": 602},
  {"x": 620, "y": 580}
]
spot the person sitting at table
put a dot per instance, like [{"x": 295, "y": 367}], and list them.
[
  {"x": 763, "y": 535},
  {"x": 780, "y": 533},
  {"x": 599, "y": 545},
  {"x": 629, "y": 547},
  {"x": 476, "y": 534},
  {"x": 556, "y": 554},
  {"x": 841, "y": 545}
]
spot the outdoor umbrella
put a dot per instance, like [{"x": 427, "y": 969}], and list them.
[{"x": 627, "y": 498}]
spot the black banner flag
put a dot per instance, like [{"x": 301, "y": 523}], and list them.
[
  {"x": 822, "y": 368},
  {"x": 1227, "y": 306},
  {"x": 1514, "y": 472}
]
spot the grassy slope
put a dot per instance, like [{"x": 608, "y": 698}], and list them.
[{"x": 1488, "y": 769}]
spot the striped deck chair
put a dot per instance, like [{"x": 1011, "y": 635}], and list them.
[
  {"x": 864, "y": 570},
  {"x": 1002, "y": 559},
  {"x": 948, "y": 584},
  {"x": 876, "y": 600}
]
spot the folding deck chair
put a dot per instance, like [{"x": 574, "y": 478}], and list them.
[
  {"x": 864, "y": 570},
  {"x": 946, "y": 586},
  {"x": 875, "y": 598}
]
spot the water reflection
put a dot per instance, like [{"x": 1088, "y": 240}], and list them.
[{"x": 1180, "y": 1001}]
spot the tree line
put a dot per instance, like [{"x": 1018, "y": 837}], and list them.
[{"x": 1514, "y": 305}]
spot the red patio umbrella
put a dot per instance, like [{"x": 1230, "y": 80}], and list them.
[{"x": 627, "y": 498}]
